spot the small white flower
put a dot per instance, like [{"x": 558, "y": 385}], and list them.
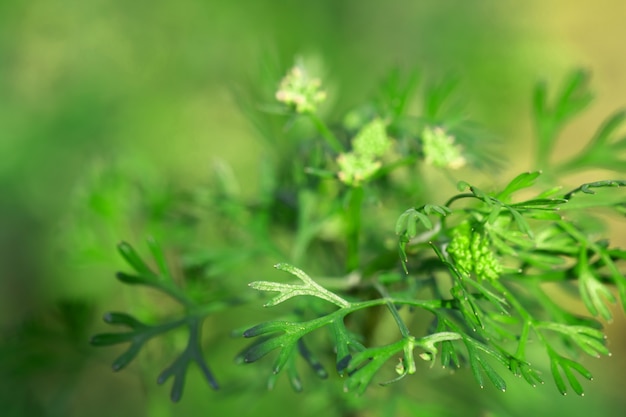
[
  {"x": 297, "y": 89},
  {"x": 440, "y": 149}
]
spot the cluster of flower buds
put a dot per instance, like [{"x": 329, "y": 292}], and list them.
[
  {"x": 440, "y": 149},
  {"x": 300, "y": 91},
  {"x": 368, "y": 146},
  {"x": 472, "y": 252}
]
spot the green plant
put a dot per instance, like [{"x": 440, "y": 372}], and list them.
[{"x": 459, "y": 282}]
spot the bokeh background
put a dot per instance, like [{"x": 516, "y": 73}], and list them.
[{"x": 149, "y": 87}]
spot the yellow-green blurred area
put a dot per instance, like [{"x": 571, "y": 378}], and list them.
[{"x": 149, "y": 89}]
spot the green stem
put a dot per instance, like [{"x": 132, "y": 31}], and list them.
[
  {"x": 529, "y": 321},
  {"x": 353, "y": 221},
  {"x": 523, "y": 339},
  {"x": 458, "y": 197},
  {"x": 203, "y": 310},
  {"x": 404, "y": 331},
  {"x": 386, "y": 169},
  {"x": 330, "y": 138},
  {"x": 546, "y": 132},
  {"x": 173, "y": 291},
  {"x": 429, "y": 305}
]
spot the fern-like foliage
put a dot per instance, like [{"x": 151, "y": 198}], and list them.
[
  {"x": 140, "y": 333},
  {"x": 493, "y": 260},
  {"x": 474, "y": 262}
]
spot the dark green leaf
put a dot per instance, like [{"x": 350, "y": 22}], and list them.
[
  {"x": 108, "y": 339},
  {"x": 573, "y": 382},
  {"x": 366, "y": 364},
  {"x": 540, "y": 203},
  {"x": 294, "y": 377},
  {"x": 449, "y": 355},
  {"x": 267, "y": 327},
  {"x": 125, "y": 358},
  {"x": 313, "y": 361},
  {"x": 123, "y": 318},
  {"x": 476, "y": 366},
  {"x": 345, "y": 344},
  {"x": 134, "y": 279},
  {"x": 192, "y": 353},
  {"x": 133, "y": 259},
  {"x": 523, "y": 369},
  {"x": 257, "y": 351},
  {"x": 493, "y": 376},
  {"x": 522, "y": 225},
  {"x": 286, "y": 352},
  {"x": 558, "y": 379},
  {"x": 580, "y": 369}
]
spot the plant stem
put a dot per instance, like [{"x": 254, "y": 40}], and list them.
[
  {"x": 394, "y": 311},
  {"x": 388, "y": 168},
  {"x": 529, "y": 320},
  {"x": 458, "y": 197},
  {"x": 353, "y": 222},
  {"x": 330, "y": 138},
  {"x": 546, "y": 132}
]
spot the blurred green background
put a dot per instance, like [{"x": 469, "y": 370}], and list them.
[{"x": 148, "y": 87}]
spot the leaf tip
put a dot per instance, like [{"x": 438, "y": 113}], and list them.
[
  {"x": 343, "y": 363},
  {"x": 123, "y": 245}
]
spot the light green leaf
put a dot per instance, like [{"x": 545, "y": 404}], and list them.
[{"x": 524, "y": 180}]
